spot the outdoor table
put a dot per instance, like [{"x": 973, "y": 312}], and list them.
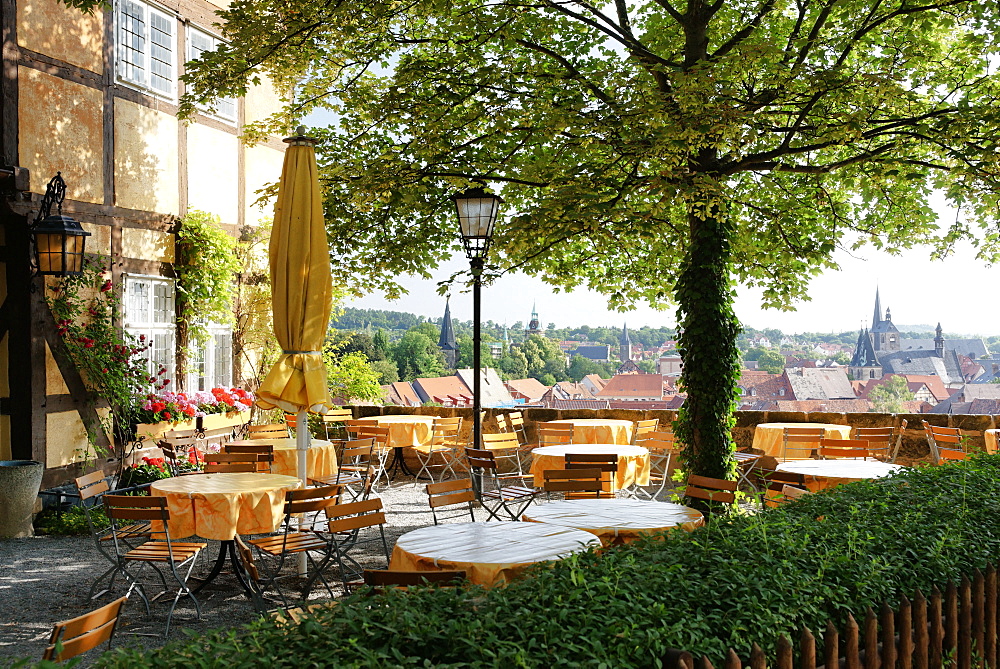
[
  {"x": 990, "y": 438},
  {"x": 768, "y": 437},
  {"x": 490, "y": 553},
  {"x": 616, "y": 521},
  {"x": 223, "y": 506},
  {"x": 822, "y": 474},
  {"x": 321, "y": 456},
  {"x": 633, "y": 461},
  {"x": 404, "y": 431},
  {"x": 600, "y": 430}
]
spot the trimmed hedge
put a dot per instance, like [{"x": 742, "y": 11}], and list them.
[{"x": 738, "y": 581}]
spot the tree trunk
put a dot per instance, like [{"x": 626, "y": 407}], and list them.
[{"x": 707, "y": 344}]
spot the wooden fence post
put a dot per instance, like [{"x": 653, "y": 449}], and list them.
[
  {"x": 937, "y": 628},
  {"x": 905, "y": 626},
  {"x": 807, "y": 650},
  {"x": 871, "y": 639},
  {"x": 965, "y": 624},
  {"x": 888, "y": 637},
  {"x": 757, "y": 659},
  {"x": 920, "y": 644},
  {"x": 990, "y": 615},
  {"x": 831, "y": 646},
  {"x": 978, "y": 610}
]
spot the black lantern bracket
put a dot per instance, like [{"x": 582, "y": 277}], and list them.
[{"x": 59, "y": 241}]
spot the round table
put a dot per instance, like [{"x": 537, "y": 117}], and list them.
[
  {"x": 616, "y": 521},
  {"x": 490, "y": 553},
  {"x": 600, "y": 430},
  {"x": 321, "y": 456},
  {"x": 633, "y": 461},
  {"x": 404, "y": 431},
  {"x": 822, "y": 474},
  {"x": 768, "y": 437},
  {"x": 220, "y": 506}
]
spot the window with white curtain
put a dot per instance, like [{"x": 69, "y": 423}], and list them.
[
  {"x": 146, "y": 48},
  {"x": 210, "y": 363},
  {"x": 149, "y": 316}
]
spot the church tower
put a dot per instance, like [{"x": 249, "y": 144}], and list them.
[
  {"x": 447, "y": 341},
  {"x": 884, "y": 335},
  {"x": 624, "y": 345},
  {"x": 865, "y": 365},
  {"x": 534, "y": 326},
  {"x": 938, "y": 342}
]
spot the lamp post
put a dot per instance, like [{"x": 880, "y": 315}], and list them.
[
  {"x": 59, "y": 240},
  {"x": 477, "y": 214}
]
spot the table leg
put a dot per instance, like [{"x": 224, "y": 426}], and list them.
[
  {"x": 398, "y": 463},
  {"x": 227, "y": 549}
]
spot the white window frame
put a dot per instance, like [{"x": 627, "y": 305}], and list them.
[
  {"x": 148, "y": 310},
  {"x": 139, "y": 74},
  {"x": 208, "y": 369},
  {"x": 225, "y": 108}
]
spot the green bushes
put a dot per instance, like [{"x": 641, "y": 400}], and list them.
[{"x": 736, "y": 582}]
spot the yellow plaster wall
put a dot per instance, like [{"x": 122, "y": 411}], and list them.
[
  {"x": 147, "y": 244},
  {"x": 52, "y": 28},
  {"x": 145, "y": 159},
  {"x": 263, "y": 166},
  {"x": 67, "y": 439},
  {"x": 100, "y": 238},
  {"x": 213, "y": 177},
  {"x": 54, "y": 383},
  {"x": 261, "y": 101},
  {"x": 61, "y": 131}
]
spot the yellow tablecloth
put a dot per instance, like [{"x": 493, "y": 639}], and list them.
[
  {"x": 616, "y": 521},
  {"x": 990, "y": 437},
  {"x": 406, "y": 430},
  {"x": 600, "y": 430},
  {"x": 633, "y": 461},
  {"x": 822, "y": 474},
  {"x": 321, "y": 456},
  {"x": 220, "y": 506},
  {"x": 768, "y": 436},
  {"x": 490, "y": 553}
]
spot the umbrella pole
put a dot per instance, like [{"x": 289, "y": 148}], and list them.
[{"x": 302, "y": 449}]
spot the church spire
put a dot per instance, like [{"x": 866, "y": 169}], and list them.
[
  {"x": 625, "y": 344},
  {"x": 877, "y": 318},
  {"x": 447, "y": 341},
  {"x": 534, "y": 326}
]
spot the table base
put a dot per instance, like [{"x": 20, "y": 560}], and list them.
[
  {"x": 398, "y": 464},
  {"x": 228, "y": 549}
]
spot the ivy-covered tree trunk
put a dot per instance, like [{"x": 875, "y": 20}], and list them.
[{"x": 707, "y": 344}]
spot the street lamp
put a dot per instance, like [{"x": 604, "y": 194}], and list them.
[
  {"x": 59, "y": 240},
  {"x": 477, "y": 214}
]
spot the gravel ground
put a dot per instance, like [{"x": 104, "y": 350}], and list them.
[{"x": 45, "y": 579}]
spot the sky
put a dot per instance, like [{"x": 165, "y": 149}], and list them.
[{"x": 957, "y": 292}]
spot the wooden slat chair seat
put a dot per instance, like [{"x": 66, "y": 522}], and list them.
[
  {"x": 831, "y": 449},
  {"x": 269, "y": 431},
  {"x": 380, "y": 579},
  {"x": 711, "y": 489},
  {"x": 606, "y": 462},
  {"x": 451, "y": 493},
  {"x": 180, "y": 557},
  {"x": 301, "y": 534},
  {"x": 506, "y": 446},
  {"x": 574, "y": 483},
  {"x": 444, "y": 445},
  {"x": 496, "y": 498},
  {"x": 800, "y": 443},
  {"x": 951, "y": 454},
  {"x": 91, "y": 487},
  {"x": 771, "y": 483},
  {"x": 358, "y": 532},
  {"x": 662, "y": 447},
  {"x": 554, "y": 434},
  {"x": 78, "y": 635},
  {"x": 642, "y": 430},
  {"x": 943, "y": 438}
]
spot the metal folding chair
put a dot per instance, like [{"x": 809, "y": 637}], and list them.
[
  {"x": 496, "y": 498},
  {"x": 445, "y": 441},
  {"x": 662, "y": 446},
  {"x": 78, "y": 635},
  {"x": 451, "y": 493},
  {"x": 574, "y": 483},
  {"x": 358, "y": 529}
]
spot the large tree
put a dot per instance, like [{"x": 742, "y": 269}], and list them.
[{"x": 654, "y": 151}]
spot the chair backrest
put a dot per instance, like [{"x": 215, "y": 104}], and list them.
[
  {"x": 354, "y": 516},
  {"x": 642, "y": 429},
  {"x": 943, "y": 438},
  {"x": 222, "y": 463},
  {"x": 306, "y": 502},
  {"x": 80, "y": 634},
  {"x": 552, "y": 434},
  {"x": 446, "y": 431},
  {"x": 660, "y": 440},
  {"x": 500, "y": 441},
  {"x": 260, "y": 449},
  {"x": 800, "y": 442},
  {"x": 353, "y": 425},
  {"x": 270, "y": 431},
  {"x": 379, "y": 434},
  {"x": 790, "y": 492},
  {"x": 448, "y": 493},
  {"x": 178, "y": 446},
  {"x": 574, "y": 482},
  {"x": 514, "y": 422},
  {"x": 91, "y": 485},
  {"x": 880, "y": 440},
  {"x": 481, "y": 458},
  {"x": 356, "y": 453},
  {"x": 606, "y": 462},
  {"x": 382, "y": 578},
  {"x": 711, "y": 489},
  {"x": 843, "y": 448},
  {"x": 333, "y": 423},
  {"x": 770, "y": 479},
  {"x": 951, "y": 454}
]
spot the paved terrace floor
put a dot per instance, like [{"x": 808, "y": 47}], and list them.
[{"x": 45, "y": 579}]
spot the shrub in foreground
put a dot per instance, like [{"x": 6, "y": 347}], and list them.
[{"x": 736, "y": 582}]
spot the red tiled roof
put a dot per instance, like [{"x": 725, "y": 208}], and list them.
[
  {"x": 529, "y": 389},
  {"x": 633, "y": 385}
]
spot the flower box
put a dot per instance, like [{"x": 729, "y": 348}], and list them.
[{"x": 149, "y": 433}]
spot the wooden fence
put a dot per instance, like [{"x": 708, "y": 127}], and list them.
[{"x": 957, "y": 630}]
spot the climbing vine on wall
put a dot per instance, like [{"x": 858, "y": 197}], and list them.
[{"x": 206, "y": 268}]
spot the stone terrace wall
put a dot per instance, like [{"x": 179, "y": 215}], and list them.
[{"x": 914, "y": 447}]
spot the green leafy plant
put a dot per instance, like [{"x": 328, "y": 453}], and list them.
[
  {"x": 206, "y": 268},
  {"x": 69, "y": 522}
]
